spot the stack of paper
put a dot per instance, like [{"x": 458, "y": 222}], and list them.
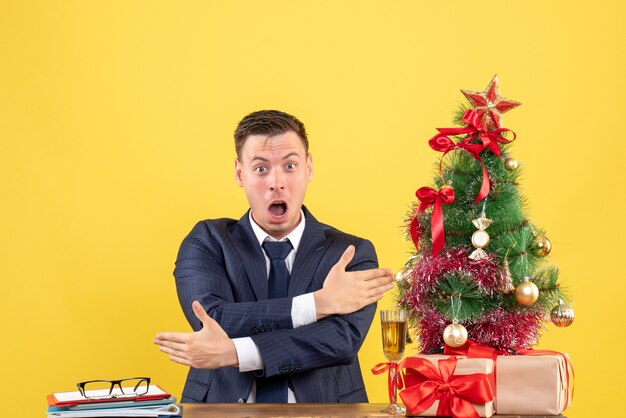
[{"x": 155, "y": 403}]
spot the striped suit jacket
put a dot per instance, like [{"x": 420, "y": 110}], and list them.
[{"x": 221, "y": 265}]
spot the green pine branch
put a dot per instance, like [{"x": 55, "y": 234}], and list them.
[{"x": 457, "y": 296}]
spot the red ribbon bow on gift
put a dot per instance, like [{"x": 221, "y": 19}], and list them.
[
  {"x": 472, "y": 349},
  {"x": 429, "y": 197},
  {"x": 394, "y": 379},
  {"x": 426, "y": 383}
]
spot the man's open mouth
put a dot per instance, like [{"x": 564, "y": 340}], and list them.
[{"x": 278, "y": 209}]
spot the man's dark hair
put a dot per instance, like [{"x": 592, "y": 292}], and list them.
[{"x": 270, "y": 123}]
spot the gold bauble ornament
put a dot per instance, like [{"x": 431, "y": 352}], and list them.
[
  {"x": 511, "y": 164},
  {"x": 403, "y": 274},
  {"x": 562, "y": 315},
  {"x": 455, "y": 334},
  {"x": 542, "y": 245},
  {"x": 403, "y": 277},
  {"x": 526, "y": 292}
]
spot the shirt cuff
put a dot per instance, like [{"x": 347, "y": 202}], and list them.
[
  {"x": 303, "y": 310},
  {"x": 248, "y": 354}
]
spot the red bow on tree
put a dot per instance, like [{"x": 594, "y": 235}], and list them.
[
  {"x": 426, "y": 383},
  {"x": 490, "y": 139},
  {"x": 474, "y": 129},
  {"x": 442, "y": 143},
  {"x": 429, "y": 197}
]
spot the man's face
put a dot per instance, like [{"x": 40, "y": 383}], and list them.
[{"x": 274, "y": 172}]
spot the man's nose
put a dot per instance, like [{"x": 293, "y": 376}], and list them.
[{"x": 277, "y": 180}]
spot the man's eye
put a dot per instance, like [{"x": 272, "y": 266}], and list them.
[
  {"x": 260, "y": 169},
  {"x": 290, "y": 166}
]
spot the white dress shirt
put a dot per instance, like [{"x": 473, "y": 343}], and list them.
[{"x": 302, "y": 307}]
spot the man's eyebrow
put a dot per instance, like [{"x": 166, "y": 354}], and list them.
[
  {"x": 287, "y": 156},
  {"x": 291, "y": 154}
]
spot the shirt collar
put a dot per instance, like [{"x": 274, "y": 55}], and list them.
[{"x": 294, "y": 236}]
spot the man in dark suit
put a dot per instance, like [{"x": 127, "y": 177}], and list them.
[{"x": 280, "y": 303}]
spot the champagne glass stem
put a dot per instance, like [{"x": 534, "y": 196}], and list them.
[
  {"x": 395, "y": 388},
  {"x": 393, "y": 394}
]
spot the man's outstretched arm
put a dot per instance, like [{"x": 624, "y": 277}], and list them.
[{"x": 343, "y": 292}]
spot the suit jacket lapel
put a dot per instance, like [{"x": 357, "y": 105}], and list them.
[
  {"x": 245, "y": 243},
  {"x": 310, "y": 251}
]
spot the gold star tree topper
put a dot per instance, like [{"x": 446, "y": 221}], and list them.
[{"x": 489, "y": 104}]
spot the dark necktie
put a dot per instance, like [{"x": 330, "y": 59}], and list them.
[{"x": 274, "y": 389}]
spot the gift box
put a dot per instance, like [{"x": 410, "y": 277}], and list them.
[
  {"x": 439, "y": 385},
  {"x": 533, "y": 384}
]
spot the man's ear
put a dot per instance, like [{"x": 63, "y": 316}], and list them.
[
  {"x": 238, "y": 174},
  {"x": 309, "y": 164}
]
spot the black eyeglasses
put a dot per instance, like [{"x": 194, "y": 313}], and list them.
[{"x": 123, "y": 388}]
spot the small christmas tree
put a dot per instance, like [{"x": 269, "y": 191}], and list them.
[{"x": 479, "y": 268}]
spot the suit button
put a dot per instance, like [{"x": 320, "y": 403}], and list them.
[
  {"x": 240, "y": 400},
  {"x": 255, "y": 330},
  {"x": 266, "y": 328},
  {"x": 281, "y": 369}
]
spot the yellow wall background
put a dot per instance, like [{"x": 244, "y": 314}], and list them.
[{"x": 116, "y": 123}]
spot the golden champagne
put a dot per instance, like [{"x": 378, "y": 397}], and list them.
[{"x": 394, "y": 339}]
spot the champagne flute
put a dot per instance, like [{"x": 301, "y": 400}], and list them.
[{"x": 394, "y": 328}]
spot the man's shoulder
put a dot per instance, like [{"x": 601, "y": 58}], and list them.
[
  {"x": 209, "y": 236},
  {"x": 217, "y": 223},
  {"x": 219, "y": 226},
  {"x": 338, "y": 242},
  {"x": 343, "y": 237}
]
